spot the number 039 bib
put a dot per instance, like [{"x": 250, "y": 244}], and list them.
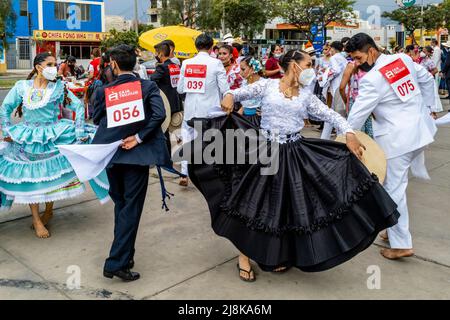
[
  {"x": 401, "y": 80},
  {"x": 195, "y": 81},
  {"x": 124, "y": 104}
]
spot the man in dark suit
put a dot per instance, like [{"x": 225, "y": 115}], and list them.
[
  {"x": 445, "y": 73},
  {"x": 143, "y": 145},
  {"x": 166, "y": 77}
]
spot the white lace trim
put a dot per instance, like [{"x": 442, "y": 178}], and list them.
[
  {"x": 105, "y": 200},
  {"x": 36, "y": 180},
  {"x": 101, "y": 184},
  {"x": 51, "y": 87},
  {"x": 35, "y": 192},
  {"x": 42, "y": 198}
]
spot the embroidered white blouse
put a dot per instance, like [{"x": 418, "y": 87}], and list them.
[{"x": 284, "y": 116}]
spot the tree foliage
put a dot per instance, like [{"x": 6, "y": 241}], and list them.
[
  {"x": 7, "y": 20},
  {"x": 306, "y": 13},
  {"x": 411, "y": 18},
  {"x": 119, "y": 37}
]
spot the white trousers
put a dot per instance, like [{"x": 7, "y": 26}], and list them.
[
  {"x": 187, "y": 134},
  {"x": 326, "y": 132},
  {"x": 338, "y": 106},
  {"x": 395, "y": 184}
]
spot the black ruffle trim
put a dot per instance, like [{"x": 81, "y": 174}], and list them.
[{"x": 321, "y": 223}]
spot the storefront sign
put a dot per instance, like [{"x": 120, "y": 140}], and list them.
[{"x": 68, "y": 36}]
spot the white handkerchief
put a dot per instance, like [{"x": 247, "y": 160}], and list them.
[
  {"x": 89, "y": 160},
  {"x": 443, "y": 120}
]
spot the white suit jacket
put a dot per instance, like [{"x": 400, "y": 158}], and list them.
[
  {"x": 399, "y": 127},
  {"x": 338, "y": 63},
  {"x": 200, "y": 105}
]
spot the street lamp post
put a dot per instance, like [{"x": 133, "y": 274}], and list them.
[
  {"x": 136, "y": 20},
  {"x": 421, "y": 24},
  {"x": 223, "y": 19}
]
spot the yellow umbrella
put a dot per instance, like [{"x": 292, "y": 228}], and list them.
[{"x": 183, "y": 37}]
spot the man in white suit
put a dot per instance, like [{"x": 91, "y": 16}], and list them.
[
  {"x": 338, "y": 63},
  {"x": 401, "y": 96}
]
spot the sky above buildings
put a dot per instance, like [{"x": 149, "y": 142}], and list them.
[{"x": 125, "y": 8}]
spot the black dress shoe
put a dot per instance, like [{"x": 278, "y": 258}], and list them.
[
  {"x": 131, "y": 264},
  {"x": 125, "y": 275}
]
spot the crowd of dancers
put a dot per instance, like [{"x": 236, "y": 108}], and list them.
[{"x": 320, "y": 208}]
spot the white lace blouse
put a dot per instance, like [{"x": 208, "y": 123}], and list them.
[{"x": 284, "y": 116}]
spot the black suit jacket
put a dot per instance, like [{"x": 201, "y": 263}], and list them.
[
  {"x": 162, "y": 79},
  {"x": 446, "y": 68},
  {"x": 152, "y": 150}
]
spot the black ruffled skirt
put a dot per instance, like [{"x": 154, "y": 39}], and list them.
[
  {"x": 321, "y": 208},
  {"x": 254, "y": 119}
]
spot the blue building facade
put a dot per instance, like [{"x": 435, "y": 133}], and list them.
[{"x": 63, "y": 27}]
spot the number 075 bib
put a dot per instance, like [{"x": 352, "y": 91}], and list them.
[
  {"x": 195, "y": 78},
  {"x": 401, "y": 80},
  {"x": 124, "y": 104}
]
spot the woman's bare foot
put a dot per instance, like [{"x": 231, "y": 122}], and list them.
[
  {"x": 394, "y": 254},
  {"x": 46, "y": 217},
  {"x": 184, "y": 181},
  {"x": 246, "y": 272},
  {"x": 384, "y": 236},
  {"x": 40, "y": 230}
]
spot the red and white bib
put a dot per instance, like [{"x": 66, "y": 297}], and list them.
[
  {"x": 195, "y": 81},
  {"x": 400, "y": 79},
  {"x": 174, "y": 71},
  {"x": 124, "y": 104}
]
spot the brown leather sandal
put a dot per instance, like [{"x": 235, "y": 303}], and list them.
[{"x": 249, "y": 272}]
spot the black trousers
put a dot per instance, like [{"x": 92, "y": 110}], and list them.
[
  {"x": 128, "y": 188},
  {"x": 447, "y": 82}
]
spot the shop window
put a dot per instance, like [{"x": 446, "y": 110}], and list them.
[
  {"x": 23, "y": 8},
  {"x": 86, "y": 52},
  {"x": 76, "y": 51},
  {"x": 64, "y": 52},
  {"x": 24, "y": 49},
  {"x": 85, "y": 12},
  {"x": 154, "y": 18},
  {"x": 61, "y": 11}
]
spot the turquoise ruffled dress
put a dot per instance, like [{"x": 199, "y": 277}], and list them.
[{"x": 32, "y": 170}]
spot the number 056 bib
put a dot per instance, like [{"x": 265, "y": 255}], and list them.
[
  {"x": 195, "y": 81},
  {"x": 401, "y": 80},
  {"x": 124, "y": 104}
]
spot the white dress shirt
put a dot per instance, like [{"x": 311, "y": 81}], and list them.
[
  {"x": 436, "y": 57},
  {"x": 200, "y": 105}
]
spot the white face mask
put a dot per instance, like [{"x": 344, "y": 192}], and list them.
[
  {"x": 277, "y": 55},
  {"x": 50, "y": 73},
  {"x": 423, "y": 54},
  {"x": 307, "y": 76}
]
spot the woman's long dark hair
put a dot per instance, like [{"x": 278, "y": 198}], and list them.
[
  {"x": 291, "y": 55},
  {"x": 41, "y": 57},
  {"x": 229, "y": 49},
  {"x": 272, "y": 49},
  {"x": 72, "y": 68}
]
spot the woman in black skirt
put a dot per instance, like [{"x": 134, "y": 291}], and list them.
[
  {"x": 251, "y": 71},
  {"x": 319, "y": 209}
]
